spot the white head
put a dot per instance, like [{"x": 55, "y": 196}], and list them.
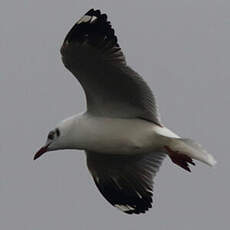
[
  {"x": 52, "y": 143},
  {"x": 58, "y": 138}
]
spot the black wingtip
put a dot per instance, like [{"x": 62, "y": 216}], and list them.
[
  {"x": 94, "y": 28},
  {"x": 90, "y": 12},
  {"x": 96, "y": 13},
  {"x": 125, "y": 199},
  {"x": 93, "y": 12}
]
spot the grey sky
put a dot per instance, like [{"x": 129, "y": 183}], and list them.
[{"x": 182, "y": 50}]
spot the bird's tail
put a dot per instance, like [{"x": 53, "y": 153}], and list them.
[{"x": 183, "y": 151}]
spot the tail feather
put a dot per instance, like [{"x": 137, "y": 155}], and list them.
[{"x": 192, "y": 150}]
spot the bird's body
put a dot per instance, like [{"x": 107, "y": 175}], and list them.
[
  {"x": 114, "y": 135},
  {"x": 121, "y": 131}
]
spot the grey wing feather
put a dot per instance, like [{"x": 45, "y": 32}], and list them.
[
  {"x": 91, "y": 52},
  {"x": 125, "y": 181}
]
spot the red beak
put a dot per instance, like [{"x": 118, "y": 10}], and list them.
[{"x": 41, "y": 151}]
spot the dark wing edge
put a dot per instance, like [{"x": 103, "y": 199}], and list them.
[
  {"x": 95, "y": 30},
  {"x": 126, "y": 182},
  {"x": 91, "y": 48}
]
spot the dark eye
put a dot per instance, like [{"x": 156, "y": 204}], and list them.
[
  {"x": 51, "y": 135},
  {"x": 57, "y": 132}
]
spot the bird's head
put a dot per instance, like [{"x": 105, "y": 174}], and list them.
[
  {"x": 52, "y": 143},
  {"x": 62, "y": 137}
]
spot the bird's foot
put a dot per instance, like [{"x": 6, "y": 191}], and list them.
[{"x": 179, "y": 158}]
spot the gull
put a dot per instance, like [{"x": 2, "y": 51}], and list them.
[{"x": 121, "y": 132}]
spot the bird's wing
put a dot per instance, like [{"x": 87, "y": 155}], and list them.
[
  {"x": 91, "y": 52},
  {"x": 125, "y": 181}
]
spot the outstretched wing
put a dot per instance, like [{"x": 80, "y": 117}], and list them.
[
  {"x": 91, "y": 52},
  {"x": 125, "y": 181}
]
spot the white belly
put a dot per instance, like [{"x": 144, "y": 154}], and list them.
[{"x": 114, "y": 135}]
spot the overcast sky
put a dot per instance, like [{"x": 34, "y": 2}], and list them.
[{"x": 180, "y": 47}]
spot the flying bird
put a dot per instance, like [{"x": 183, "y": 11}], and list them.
[{"x": 121, "y": 132}]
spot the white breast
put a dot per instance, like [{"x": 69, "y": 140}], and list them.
[{"x": 114, "y": 135}]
